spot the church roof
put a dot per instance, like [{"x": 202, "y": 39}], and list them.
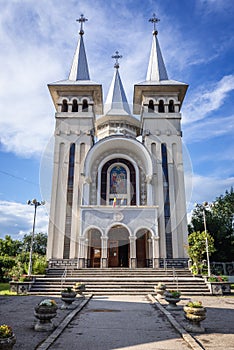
[
  {"x": 157, "y": 78},
  {"x": 79, "y": 68},
  {"x": 156, "y": 68},
  {"x": 116, "y": 101},
  {"x": 79, "y": 73}
]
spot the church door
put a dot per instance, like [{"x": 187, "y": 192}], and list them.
[
  {"x": 118, "y": 247},
  {"x": 140, "y": 251},
  {"x": 113, "y": 254}
]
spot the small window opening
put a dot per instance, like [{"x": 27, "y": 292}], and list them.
[
  {"x": 64, "y": 106},
  {"x": 151, "y": 106},
  {"x": 161, "y": 108},
  {"x": 171, "y": 106},
  {"x": 85, "y": 106},
  {"x": 74, "y": 106}
]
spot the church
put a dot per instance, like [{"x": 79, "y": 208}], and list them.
[{"x": 118, "y": 193}]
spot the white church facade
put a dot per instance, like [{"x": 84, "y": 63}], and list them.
[{"x": 118, "y": 194}]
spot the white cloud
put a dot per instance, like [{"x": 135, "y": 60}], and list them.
[
  {"x": 38, "y": 49},
  {"x": 207, "y": 188},
  {"x": 211, "y": 6},
  {"x": 208, "y": 128},
  {"x": 207, "y": 99},
  {"x": 16, "y": 219}
]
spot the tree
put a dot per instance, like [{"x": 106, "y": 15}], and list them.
[
  {"x": 39, "y": 245},
  {"x": 197, "y": 249},
  {"x": 219, "y": 220},
  {"x": 10, "y": 247}
]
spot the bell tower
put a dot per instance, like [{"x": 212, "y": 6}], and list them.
[
  {"x": 77, "y": 101},
  {"x": 158, "y": 101}
]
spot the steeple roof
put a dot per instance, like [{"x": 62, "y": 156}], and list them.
[
  {"x": 79, "y": 68},
  {"x": 156, "y": 68},
  {"x": 78, "y": 80},
  {"x": 116, "y": 101},
  {"x": 79, "y": 73},
  {"x": 156, "y": 79}
]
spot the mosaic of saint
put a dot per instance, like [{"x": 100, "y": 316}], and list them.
[{"x": 118, "y": 180}]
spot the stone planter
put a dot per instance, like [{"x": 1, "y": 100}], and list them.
[
  {"x": 80, "y": 289},
  {"x": 21, "y": 287},
  {"x": 7, "y": 343},
  {"x": 172, "y": 303},
  {"x": 159, "y": 291},
  {"x": 195, "y": 315},
  {"x": 44, "y": 315},
  {"x": 219, "y": 288},
  {"x": 67, "y": 298}
]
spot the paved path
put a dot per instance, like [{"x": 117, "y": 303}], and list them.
[
  {"x": 219, "y": 322},
  {"x": 120, "y": 322}
]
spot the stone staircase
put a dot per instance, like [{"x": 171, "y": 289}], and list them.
[{"x": 119, "y": 281}]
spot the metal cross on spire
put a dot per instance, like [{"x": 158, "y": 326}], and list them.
[
  {"x": 116, "y": 57},
  {"x": 81, "y": 20},
  {"x": 154, "y": 20}
]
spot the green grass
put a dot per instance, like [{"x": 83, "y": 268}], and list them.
[
  {"x": 4, "y": 286},
  {"x": 5, "y": 289}
]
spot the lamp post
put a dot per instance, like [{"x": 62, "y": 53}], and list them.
[
  {"x": 205, "y": 204},
  {"x": 36, "y": 204}
]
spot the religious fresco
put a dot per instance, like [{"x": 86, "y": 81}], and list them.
[{"x": 118, "y": 180}]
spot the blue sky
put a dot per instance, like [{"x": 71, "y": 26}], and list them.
[{"x": 37, "y": 43}]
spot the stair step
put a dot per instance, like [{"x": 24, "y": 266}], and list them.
[{"x": 119, "y": 281}]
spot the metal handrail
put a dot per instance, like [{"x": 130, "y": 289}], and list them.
[
  {"x": 64, "y": 275},
  {"x": 175, "y": 278}
]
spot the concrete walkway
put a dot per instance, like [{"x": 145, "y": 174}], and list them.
[{"x": 120, "y": 322}]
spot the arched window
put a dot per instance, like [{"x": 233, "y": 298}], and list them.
[
  {"x": 117, "y": 190},
  {"x": 74, "y": 106},
  {"x": 151, "y": 106},
  {"x": 118, "y": 183},
  {"x": 85, "y": 106},
  {"x": 64, "y": 106},
  {"x": 161, "y": 106},
  {"x": 171, "y": 106}
]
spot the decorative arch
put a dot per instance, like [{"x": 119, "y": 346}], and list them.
[
  {"x": 115, "y": 147},
  {"x": 93, "y": 247},
  {"x": 85, "y": 105},
  {"x": 161, "y": 107},
  {"x": 64, "y": 107},
  {"x": 151, "y": 106},
  {"x": 143, "y": 247},
  {"x": 171, "y": 106},
  {"x": 74, "y": 105},
  {"x": 118, "y": 246},
  {"x": 118, "y": 182}
]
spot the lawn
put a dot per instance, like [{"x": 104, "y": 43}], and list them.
[{"x": 5, "y": 289}]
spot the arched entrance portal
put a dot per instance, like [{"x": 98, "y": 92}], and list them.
[
  {"x": 118, "y": 247},
  {"x": 143, "y": 253},
  {"x": 94, "y": 248}
]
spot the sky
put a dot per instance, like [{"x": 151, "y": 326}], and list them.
[{"x": 37, "y": 44}]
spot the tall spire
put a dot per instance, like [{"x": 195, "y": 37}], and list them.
[
  {"x": 156, "y": 68},
  {"x": 79, "y": 68},
  {"x": 116, "y": 101}
]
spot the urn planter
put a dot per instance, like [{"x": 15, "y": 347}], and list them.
[
  {"x": 7, "y": 343},
  {"x": 67, "y": 297},
  {"x": 44, "y": 315},
  {"x": 195, "y": 315},
  {"x": 172, "y": 297},
  {"x": 79, "y": 288},
  {"x": 160, "y": 290}
]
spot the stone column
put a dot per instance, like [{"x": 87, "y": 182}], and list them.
[
  {"x": 81, "y": 251},
  {"x": 104, "y": 259},
  {"x": 155, "y": 249},
  {"x": 149, "y": 190},
  {"x": 132, "y": 260}
]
